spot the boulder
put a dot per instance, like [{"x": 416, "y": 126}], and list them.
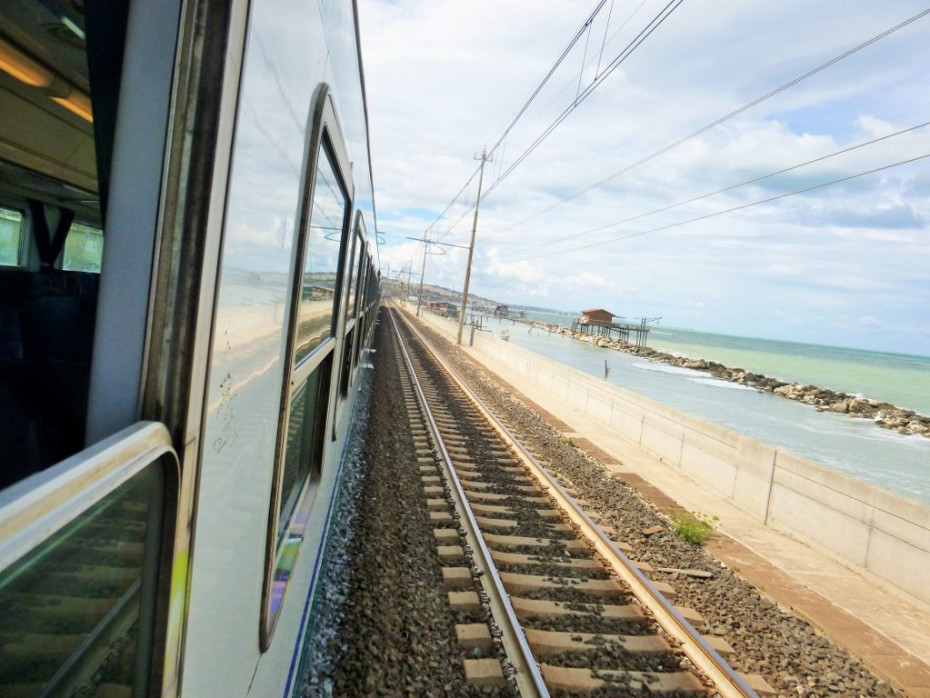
[
  {"x": 695, "y": 364},
  {"x": 859, "y": 406},
  {"x": 842, "y": 406}
]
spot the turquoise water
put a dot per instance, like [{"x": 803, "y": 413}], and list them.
[
  {"x": 896, "y": 378},
  {"x": 853, "y": 446}
]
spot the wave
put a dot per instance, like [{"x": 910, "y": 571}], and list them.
[
  {"x": 665, "y": 368},
  {"x": 718, "y": 383}
]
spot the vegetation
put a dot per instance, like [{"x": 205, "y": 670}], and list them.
[
  {"x": 568, "y": 441},
  {"x": 695, "y": 529}
]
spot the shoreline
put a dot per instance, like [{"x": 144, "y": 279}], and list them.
[{"x": 882, "y": 414}]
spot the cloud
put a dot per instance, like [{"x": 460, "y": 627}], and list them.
[
  {"x": 896, "y": 217},
  {"x": 443, "y": 80}
]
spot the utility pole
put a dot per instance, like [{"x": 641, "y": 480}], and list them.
[
  {"x": 409, "y": 272},
  {"x": 484, "y": 157},
  {"x": 426, "y": 243},
  {"x": 422, "y": 274}
]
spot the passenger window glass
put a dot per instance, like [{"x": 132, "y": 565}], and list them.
[
  {"x": 83, "y": 248},
  {"x": 303, "y": 456},
  {"x": 306, "y": 392},
  {"x": 315, "y": 313},
  {"x": 353, "y": 267},
  {"x": 11, "y": 237},
  {"x": 298, "y": 454},
  {"x": 76, "y": 611}
]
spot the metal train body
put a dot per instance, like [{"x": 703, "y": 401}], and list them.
[{"x": 164, "y": 536}]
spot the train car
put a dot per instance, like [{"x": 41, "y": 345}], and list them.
[{"x": 188, "y": 287}]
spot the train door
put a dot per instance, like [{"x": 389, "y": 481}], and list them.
[{"x": 111, "y": 137}]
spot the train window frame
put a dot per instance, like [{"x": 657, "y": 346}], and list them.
[
  {"x": 355, "y": 266},
  {"x": 284, "y": 540},
  {"x": 20, "y": 234},
  {"x": 364, "y": 271},
  {"x": 47, "y": 509},
  {"x": 352, "y": 326}
]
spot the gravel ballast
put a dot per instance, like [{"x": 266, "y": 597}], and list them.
[
  {"x": 385, "y": 627},
  {"x": 787, "y": 651}
]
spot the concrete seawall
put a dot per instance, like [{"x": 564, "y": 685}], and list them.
[{"x": 859, "y": 523}]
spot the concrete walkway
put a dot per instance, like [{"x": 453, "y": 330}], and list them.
[{"x": 887, "y": 629}]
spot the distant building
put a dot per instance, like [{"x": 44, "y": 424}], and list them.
[
  {"x": 501, "y": 311},
  {"x": 597, "y": 316},
  {"x": 443, "y": 308}
]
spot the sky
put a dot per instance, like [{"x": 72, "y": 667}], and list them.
[{"x": 589, "y": 218}]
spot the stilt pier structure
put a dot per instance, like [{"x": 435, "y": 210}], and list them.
[{"x": 602, "y": 322}]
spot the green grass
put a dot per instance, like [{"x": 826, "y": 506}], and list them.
[
  {"x": 694, "y": 529},
  {"x": 569, "y": 441}
]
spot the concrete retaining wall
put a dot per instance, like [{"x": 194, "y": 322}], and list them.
[{"x": 869, "y": 527}]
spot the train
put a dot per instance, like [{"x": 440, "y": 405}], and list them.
[{"x": 189, "y": 285}]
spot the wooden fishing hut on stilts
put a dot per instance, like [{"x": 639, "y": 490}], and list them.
[{"x": 601, "y": 322}]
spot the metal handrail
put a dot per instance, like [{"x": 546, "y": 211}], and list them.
[{"x": 33, "y": 510}]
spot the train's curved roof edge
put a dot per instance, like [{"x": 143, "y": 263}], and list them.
[{"x": 371, "y": 173}]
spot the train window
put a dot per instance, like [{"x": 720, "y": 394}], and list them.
[
  {"x": 351, "y": 307},
  {"x": 83, "y": 248},
  {"x": 316, "y": 312},
  {"x": 11, "y": 237},
  {"x": 303, "y": 448},
  {"x": 354, "y": 266},
  {"x": 363, "y": 310},
  {"x": 320, "y": 257},
  {"x": 78, "y": 582}
]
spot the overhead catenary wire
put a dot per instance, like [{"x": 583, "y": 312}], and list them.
[
  {"x": 526, "y": 105},
  {"x": 731, "y": 187},
  {"x": 585, "y": 27},
  {"x": 452, "y": 202},
  {"x": 584, "y": 30},
  {"x": 715, "y": 123},
  {"x": 724, "y": 212},
  {"x": 627, "y": 51},
  {"x": 584, "y": 67}
]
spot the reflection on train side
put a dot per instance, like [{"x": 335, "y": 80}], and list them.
[{"x": 75, "y": 612}]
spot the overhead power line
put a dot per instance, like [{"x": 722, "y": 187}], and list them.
[
  {"x": 627, "y": 51},
  {"x": 580, "y": 96},
  {"x": 526, "y": 105},
  {"x": 542, "y": 83},
  {"x": 724, "y": 190},
  {"x": 716, "y": 122},
  {"x": 721, "y": 213},
  {"x": 454, "y": 199}
]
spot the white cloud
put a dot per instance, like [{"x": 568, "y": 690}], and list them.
[{"x": 444, "y": 77}]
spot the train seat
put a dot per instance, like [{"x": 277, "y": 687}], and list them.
[{"x": 47, "y": 343}]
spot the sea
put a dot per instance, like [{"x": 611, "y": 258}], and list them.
[{"x": 897, "y": 462}]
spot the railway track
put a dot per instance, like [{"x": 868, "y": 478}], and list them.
[{"x": 570, "y": 612}]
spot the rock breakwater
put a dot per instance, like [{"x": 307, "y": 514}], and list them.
[{"x": 883, "y": 414}]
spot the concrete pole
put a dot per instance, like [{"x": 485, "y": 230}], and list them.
[
  {"x": 471, "y": 248},
  {"x": 409, "y": 272},
  {"x": 422, "y": 274}
]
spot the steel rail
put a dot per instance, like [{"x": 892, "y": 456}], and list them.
[
  {"x": 527, "y": 674},
  {"x": 728, "y": 682}
]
